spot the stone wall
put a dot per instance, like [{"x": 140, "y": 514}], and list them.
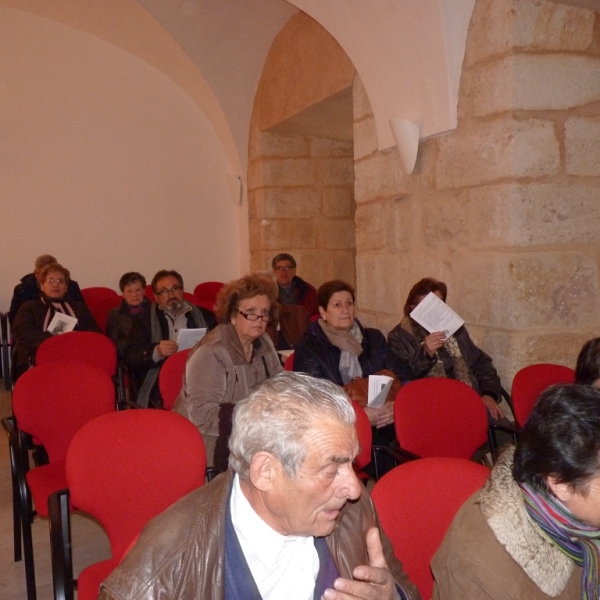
[
  {"x": 506, "y": 208},
  {"x": 300, "y": 197}
]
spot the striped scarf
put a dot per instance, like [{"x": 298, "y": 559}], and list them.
[
  {"x": 59, "y": 306},
  {"x": 578, "y": 540}
]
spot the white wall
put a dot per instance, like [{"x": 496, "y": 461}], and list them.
[{"x": 105, "y": 163}]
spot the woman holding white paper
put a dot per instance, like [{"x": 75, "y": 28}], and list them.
[
  {"x": 229, "y": 362},
  {"x": 33, "y": 322},
  {"x": 338, "y": 348},
  {"x": 435, "y": 355}
]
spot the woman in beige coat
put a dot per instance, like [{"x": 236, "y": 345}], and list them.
[
  {"x": 229, "y": 362},
  {"x": 533, "y": 531}
]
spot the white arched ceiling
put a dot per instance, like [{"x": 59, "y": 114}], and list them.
[{"x": 408, "y": 55}]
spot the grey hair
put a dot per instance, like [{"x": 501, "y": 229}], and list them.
[{"x": 276, "y": 416}]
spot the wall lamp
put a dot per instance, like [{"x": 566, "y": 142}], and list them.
[{"x": 406, "y": 136}]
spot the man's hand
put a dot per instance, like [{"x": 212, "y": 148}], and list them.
[
  {"x": 371, "y": 582},
  {"x": 166, "y": 348},
  {"x": 381, "y": 416},
  {"x": 494, "y": 409}
]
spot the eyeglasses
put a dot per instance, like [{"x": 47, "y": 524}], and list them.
[
  {"x": 265, "y": 316},
  {"x": 52, "y": 281},
  {"x": 284, "y": 269},
  {"x": 166, "y": 292}
]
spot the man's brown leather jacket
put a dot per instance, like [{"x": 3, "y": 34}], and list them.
[{"x": 180, "y": 554}]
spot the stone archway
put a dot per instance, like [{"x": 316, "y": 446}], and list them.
[{"x": 301, "y": 161}]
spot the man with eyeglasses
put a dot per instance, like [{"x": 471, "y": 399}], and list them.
[
  {"x": 154, "y": 333},
  {"x": 29, "y": 287},
  {"x": 293, "y": 289}
]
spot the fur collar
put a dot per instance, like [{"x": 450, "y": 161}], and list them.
[{"x": 503, "y": 508}]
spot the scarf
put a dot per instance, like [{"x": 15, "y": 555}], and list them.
[
  {"x": 577, "y": 540},
  {"x": 459, "y": 366},
  {"x": 55, "y": 305},
  {"x": 349, "y": 342}
]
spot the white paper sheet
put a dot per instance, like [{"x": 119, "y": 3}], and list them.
[
  {"x": 435, "y": 315},
  {"x": 379, "y": 386},
  {"x": 61, "y": 323},
  {"x": 188, "y": 338}
]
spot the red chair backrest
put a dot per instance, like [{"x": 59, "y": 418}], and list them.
[
  {"x": 205, "y": 294},
  {"x": 437, "y": 416},
  {"x": 416, "y": 503},
  {"x": 531, "y": 381},
  {"x": 170, "y": 377},
  {"x": 52, "y": 402},
  {"x": 288, "y": 365},
  {"x": 101, "y": 307},
  {"x": 94, "y": 294},
  {"x": 365, "y": 437},
  {"x": 129, "y": 466},
  {"x": 79, "y": 346}
]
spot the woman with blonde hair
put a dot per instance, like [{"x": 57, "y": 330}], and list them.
[{"x": 229, "y": 362}]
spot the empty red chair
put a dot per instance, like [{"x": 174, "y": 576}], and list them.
[
  {"x": 101, "y": 307},
  {"x": 51, "y": 403},
  {"x": 94, "y": 294},
  {"x": 170, "y": 377},
  {"x": 205, "y": 294},
  {"x": 416, "y": 503},
  {"x": 531, "y": 381},
  {"x": 437, "y": 416},
  {"x": 123, "y": 469},
  {"x": 79, "y": 346}
]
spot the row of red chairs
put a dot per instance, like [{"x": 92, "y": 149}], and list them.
[
  {"x": 423, "y": 394},
  {"x": 100, "y": 300}
]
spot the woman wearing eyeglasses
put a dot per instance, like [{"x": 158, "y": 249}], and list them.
[
  {"x": 33, "y": 322},
  {"x": 229, "y": 362}
]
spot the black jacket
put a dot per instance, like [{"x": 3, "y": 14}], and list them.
[
  {"x": 119, "y": 323},
  {"x": 484, "y": 378},
  {"x": 317, "y": 356},
  {"x": 29, "y": 289}
]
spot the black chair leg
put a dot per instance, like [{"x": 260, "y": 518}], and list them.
[
  {"x": 60, "y": 545},
  {"x": 26, "y": 519}
]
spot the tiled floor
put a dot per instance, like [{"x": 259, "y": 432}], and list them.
[{"x": 89, "y": 541}]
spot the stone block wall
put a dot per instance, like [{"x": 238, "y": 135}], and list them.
[
  {"x": 506, "y": 208},
  {"x": 301, "y": 201}
]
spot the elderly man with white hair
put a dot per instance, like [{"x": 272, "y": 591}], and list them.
[{"x": 289, "y": 519}]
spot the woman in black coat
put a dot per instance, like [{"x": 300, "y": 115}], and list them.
[
  {"x": 432, "y": 355},
  {"x": 32, "y": 323},
  {"x": 337, "y": 347}
]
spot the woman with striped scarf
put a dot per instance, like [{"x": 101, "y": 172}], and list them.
[
  {"x": 533, "y": 531},
  {"x": 31, "y": 326}
]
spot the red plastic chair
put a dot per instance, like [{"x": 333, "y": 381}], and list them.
[
  {"x": 123, "y": 469},
  {"x": 101, "y": 307},
  {"x": 288, "y": 365},
  {"x": 94, "y": 294},
  {"x": 365, "y": 439},
  {"x": 170, "y": 378},
  {"x": 51, "y": 403},
  {"x": 79, "y": 346},
  {"x": 205, "y": 294},
  {"x": 416, "y": 503},
  {"x": 531, "y": 381},
  {"x": 437, "y": 416}
]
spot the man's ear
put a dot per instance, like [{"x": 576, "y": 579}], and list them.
[
  {"x": 562, "y": 491},
  {"x": 263, "y": 470}
]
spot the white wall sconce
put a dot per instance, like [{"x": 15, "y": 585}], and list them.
[{"x": 406, "y": 136}]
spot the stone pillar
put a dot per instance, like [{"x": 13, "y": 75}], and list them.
[{"x": 506, "y": 208}]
